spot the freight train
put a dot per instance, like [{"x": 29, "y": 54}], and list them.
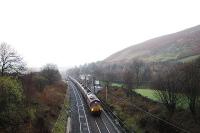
[{"x": 92, "y": 101}]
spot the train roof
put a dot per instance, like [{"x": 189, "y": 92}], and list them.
[{"x": 92, "y": 97}]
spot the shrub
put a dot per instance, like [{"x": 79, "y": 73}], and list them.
[
  {"x": 11, "y": 98},
  {"x": 40, "y": 82}
]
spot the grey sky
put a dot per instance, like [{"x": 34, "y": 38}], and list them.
[{"x": 74, "y": 32}]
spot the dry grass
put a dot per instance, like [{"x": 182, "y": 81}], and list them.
[
  {"x": 49, "y": 104},
  {"x": 53, "y": 95}
]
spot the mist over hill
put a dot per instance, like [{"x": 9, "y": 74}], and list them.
[{"x": 179, "y": 46}]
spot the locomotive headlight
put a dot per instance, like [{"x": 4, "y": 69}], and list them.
[{"x": 92, "y": 109}]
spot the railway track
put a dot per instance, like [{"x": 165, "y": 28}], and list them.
[{"x": 83, "y": 121}]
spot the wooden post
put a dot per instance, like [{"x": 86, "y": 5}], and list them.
[
  {"x": 106, "y": 92},
  {"x": 94, "y": 89},
  {"x": 85, "y": 81}
]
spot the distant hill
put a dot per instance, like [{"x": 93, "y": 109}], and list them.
[{"x": 180, "y": 46}]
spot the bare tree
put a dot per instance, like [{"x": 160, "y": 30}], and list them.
[
  {"x": 74, "y": 72},
  {"x": 191, "y": 85},
  {"x": 10, "y": 62},
  {"x": 108, "y": 77},
  {"x": 51, "y": 73},
  {"x": 137, "y": 68},
  {"x": 128, "y": 80},
  {"x": 167, "y": 85}
]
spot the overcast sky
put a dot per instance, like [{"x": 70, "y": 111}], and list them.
[{"x": 74, "y": 32}]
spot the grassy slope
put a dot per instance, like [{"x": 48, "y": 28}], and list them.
[
  {"x": 60, "y": 125},
  {"x": 174, "y": 46}
]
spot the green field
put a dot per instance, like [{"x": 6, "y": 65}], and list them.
[
  {"x": 113, "y": 84},
  {"x": 116, "y": 85},
  {"x": 149, "y": 93}
]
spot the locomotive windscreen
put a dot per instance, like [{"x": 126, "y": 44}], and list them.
[{"x": 94, "y": 103}]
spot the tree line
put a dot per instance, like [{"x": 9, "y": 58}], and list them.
[
  {"x": 172, "y": 81},
  {"x": 17, "y": 87},
  {"x": 177, "y": 83}
]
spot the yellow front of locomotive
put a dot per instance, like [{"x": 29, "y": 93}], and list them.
[{"x": 95, "y": 108}]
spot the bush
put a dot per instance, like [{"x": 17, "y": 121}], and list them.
[
  {"x": 11, "y": 98},
  {"x": 40, "y": 82}
]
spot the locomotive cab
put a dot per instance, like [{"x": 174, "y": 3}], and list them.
[
  {"x": 95, "y": 107},
  {"x": 94, "y": 104}
]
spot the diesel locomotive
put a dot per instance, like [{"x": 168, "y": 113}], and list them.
[{"x": 92, "y": 101}]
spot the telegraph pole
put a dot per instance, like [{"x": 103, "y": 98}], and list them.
[
  {"x": 94, "y": 88},
  {"x": 85, "y": 81},
  {"x": 106, "y": 90}
]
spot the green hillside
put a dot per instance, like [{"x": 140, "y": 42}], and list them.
[{"x": 180, "y": 46}]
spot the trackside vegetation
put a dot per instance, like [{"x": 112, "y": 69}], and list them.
[
  {"x": 11, "y": 101},
  {"x": 61, "y": 123},
  {"x": 150, "y": 96},
  {"x": 30, "y": 102}
]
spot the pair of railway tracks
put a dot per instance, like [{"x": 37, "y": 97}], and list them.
[
  {"x": 86, "y": 122},
  {"x": 84, "y": 127},
  {"x": 100, "y": 121}
]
